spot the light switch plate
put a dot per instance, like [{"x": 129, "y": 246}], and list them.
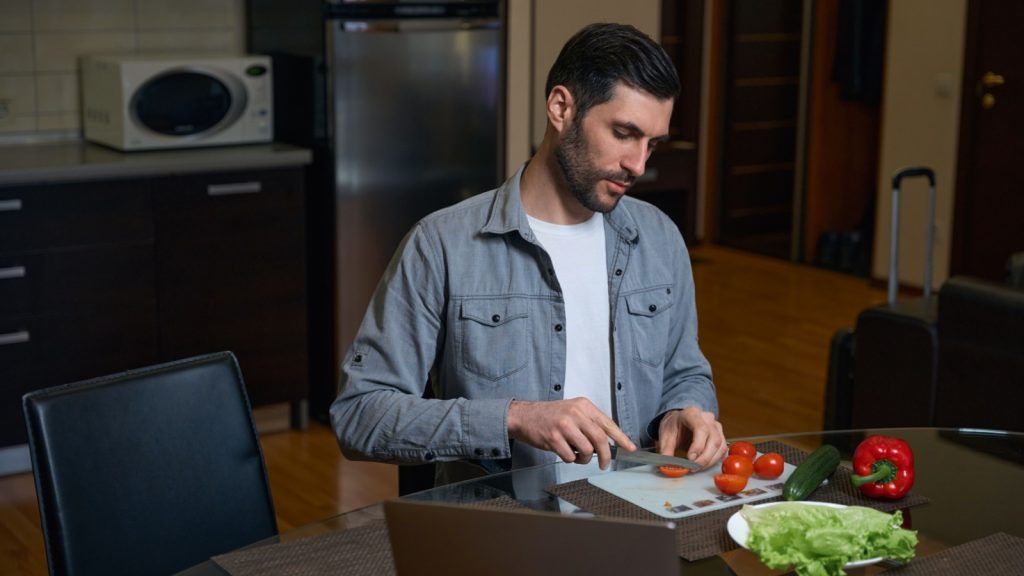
[{"x": 6, "y": 111}]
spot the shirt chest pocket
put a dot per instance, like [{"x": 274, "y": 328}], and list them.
[
  {"x": 648, "y": 316},
  {"x": 492, "y": 336}
]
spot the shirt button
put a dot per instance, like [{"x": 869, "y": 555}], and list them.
[
  {"x": 558, "y": 387},
  {"x": 358, "y": 358},
  {"x": 618, "y": 271},
  {"x": 495, "y": 452},
  {"x": 496, "y": 318},
  {"x": 668, "y": 290},
  {"x": 429, "y": 456},
  {"x": 652, "y": 308},
  {"x": 558, "y": 327},
  {"x": 619, "y": 385}
]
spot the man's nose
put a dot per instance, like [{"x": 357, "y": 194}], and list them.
[{"x": 636, "y": 161}]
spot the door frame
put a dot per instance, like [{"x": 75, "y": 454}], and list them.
[{"x": 965, "y": 166}]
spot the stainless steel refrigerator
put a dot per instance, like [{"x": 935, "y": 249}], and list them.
[{"x": 412, "y": 121}]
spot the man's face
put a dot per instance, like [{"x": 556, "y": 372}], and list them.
[{"x": 602, "y": 154}]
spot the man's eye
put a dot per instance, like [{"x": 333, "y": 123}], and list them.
[{"x": 621, "y": 135}]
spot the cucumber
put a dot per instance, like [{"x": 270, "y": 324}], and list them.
[{"x": 811, "y": 473}]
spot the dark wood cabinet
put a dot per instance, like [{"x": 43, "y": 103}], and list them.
[
  {"x": 77, "y": 297},
  {"x": 102, "y": 276},
  {"x": 231, "y": 275}
]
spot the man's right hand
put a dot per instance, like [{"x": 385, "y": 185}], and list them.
[{"x": 574, "y": 429}]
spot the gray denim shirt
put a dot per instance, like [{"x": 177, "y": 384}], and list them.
[{"x": 472, "y": 295}]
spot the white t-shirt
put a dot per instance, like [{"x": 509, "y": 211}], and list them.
[{"x": 578, "y": 254}]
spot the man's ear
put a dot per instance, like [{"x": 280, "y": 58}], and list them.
[{"x": 560, "y": 107}]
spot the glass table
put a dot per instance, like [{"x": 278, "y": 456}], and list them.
[{"x": 973, "y": 481}]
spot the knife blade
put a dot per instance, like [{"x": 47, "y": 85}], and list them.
[{"x": 644, "y": 457}]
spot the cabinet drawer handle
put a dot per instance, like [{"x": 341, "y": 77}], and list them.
[
  {"x": 10, "y": 205},
  {"x": 233, "y": 188},
  {"x": 14, "y": 337},
  {"x": 12, "y": 272}
]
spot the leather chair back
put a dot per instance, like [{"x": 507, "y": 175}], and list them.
[
  {"x": 148, "y": 471},
  {"x": 981, "y": 359}
]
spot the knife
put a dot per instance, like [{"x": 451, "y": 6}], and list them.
[{"x": 644, "y": 457}]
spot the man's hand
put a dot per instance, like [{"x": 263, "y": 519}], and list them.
[
  {"x": 574, "y": 429},
  {"x": 695, "y": 431}
]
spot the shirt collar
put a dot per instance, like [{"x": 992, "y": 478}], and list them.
[{"x": 507, "y": 213}]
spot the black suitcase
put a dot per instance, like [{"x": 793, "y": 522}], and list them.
[
  {"x": 883, "y": 372},
  {"x": 839, "y": 387}
]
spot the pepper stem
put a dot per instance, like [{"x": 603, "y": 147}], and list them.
[{"x": 882, "y": 471}]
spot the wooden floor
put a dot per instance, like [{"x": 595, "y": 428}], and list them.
[{"x": 765, "y": 325}]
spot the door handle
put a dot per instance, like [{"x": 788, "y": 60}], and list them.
[
  {"x": 10, "y": 205},
  {"x": 991, "y": 80},
  {"x": 19, "y": 337},
  {"x": 234, "y": 188},
  {"x": 988, "y": 81},
  {"x": 12, "y": 272}
]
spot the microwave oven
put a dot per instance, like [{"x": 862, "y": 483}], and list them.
[{"x": 146, "y": 102}]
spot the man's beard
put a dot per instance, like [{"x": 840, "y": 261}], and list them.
[{"x": 572, "y": 154}]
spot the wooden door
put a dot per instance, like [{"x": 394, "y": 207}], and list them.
[
  {"x": 758, "y": 162},
  {"x": 988, "y": 224}
]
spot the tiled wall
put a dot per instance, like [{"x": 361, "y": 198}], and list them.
[{"x": 41, "y": 40}]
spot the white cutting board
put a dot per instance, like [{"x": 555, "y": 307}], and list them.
[{"x": 692, "y": 494}]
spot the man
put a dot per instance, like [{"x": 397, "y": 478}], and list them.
[{"x": 556, "y": 315}]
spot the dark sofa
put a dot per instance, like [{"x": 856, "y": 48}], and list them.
[
  {"x": 981, "y": 355},
  {"x": 955, "y": 360}
]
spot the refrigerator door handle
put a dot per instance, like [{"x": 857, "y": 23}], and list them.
[{"x": 403, "y": 26}]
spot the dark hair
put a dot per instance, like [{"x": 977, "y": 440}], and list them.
[{"x": 601, "y": 55}]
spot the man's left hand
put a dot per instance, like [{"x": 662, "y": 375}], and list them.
[{"x": 695, "y": 431}]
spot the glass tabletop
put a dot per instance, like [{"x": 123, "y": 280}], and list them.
[{"x": 971, "y": 478}]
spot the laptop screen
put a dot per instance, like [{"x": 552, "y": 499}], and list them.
[{"x": 429, "y": 538}]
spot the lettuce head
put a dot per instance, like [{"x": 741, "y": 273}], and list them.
[{"x": 820, "y": 540}]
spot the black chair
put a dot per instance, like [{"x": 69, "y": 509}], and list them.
[{"x": 148, "y": 471}]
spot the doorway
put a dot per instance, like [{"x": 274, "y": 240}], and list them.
[
  {"x": 760, "y": 127},
  {"x": 989, "y": 204}
]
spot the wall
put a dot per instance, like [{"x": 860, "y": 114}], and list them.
[
  {"x": 842, "y": 147},
  {"x": 517, "y": 103},
  {"x": 920, "y": 126},
  {"x": 40, "y": 41},
  {"x": 555, "y": 22}
]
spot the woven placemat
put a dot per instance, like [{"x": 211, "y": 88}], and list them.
[
  {"x": 997, "y": 555},
  {"x": 704, "y": 535},
  {"x": 355, "y": 551},
  {"x": 364, "y": 550}
]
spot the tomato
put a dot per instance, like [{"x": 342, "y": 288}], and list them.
[
  {"x": 673, "y": 471},
  {"x": 730, "y": 483},
  {"x": 739, "y": 465},
  {"x": 743, "y": 449},
  {"x": 769, "y": 465}
]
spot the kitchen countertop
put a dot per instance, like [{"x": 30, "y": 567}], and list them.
[{"x": 75, "y": 161}]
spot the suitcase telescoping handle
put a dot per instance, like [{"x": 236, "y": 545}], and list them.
[{"x": 894, "y": 244}]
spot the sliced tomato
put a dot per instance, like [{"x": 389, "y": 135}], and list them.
[
  {"x": 673, "y": 471},
  {"x": 769, "y": 465},
  {"x": 737, "y": 464},
  {"x": 730, "y": 483},
  {"x": 743, "y": 449}
]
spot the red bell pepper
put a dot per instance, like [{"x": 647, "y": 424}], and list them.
[{"x": 883, "y": 467}]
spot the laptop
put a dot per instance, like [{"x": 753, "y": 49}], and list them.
[{"x": 431, "y": 538}]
